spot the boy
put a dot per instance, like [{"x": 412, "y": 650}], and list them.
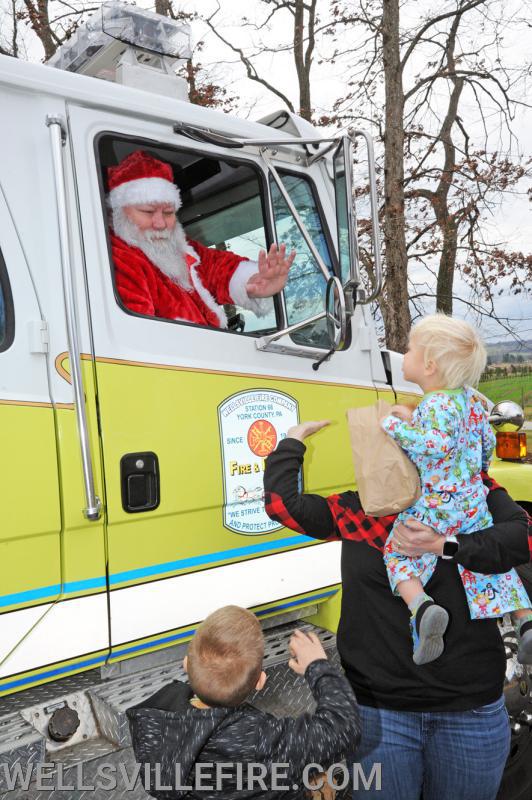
[{"x": 219, "y": 746}]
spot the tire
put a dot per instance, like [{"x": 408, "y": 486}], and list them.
[
  {"x": 516, "y": 782},
  {"x": 517, "y": 779}
]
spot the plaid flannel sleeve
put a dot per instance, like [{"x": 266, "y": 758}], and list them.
[
  {"x": 305, "y": 513},
  {"x": 337, "y": 516}
]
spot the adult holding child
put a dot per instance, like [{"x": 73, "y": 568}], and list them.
[{"x": 441, "y": 728}]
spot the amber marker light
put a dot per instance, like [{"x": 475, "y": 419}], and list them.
[{"x": 511, "y": 445}]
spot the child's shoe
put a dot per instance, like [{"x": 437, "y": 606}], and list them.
[{"x": 428, "y": 625}]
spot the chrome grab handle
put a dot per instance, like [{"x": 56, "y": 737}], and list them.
[
  {"x": 55, "y": 124},
  {"x": 374, "y": 213},
  {"x": 347, "y": 155}
]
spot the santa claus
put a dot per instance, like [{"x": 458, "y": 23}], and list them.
[{"x": 159, "y": 272}]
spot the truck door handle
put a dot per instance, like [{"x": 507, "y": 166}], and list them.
[{"x": 139, "y": 477}]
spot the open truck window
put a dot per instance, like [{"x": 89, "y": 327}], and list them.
[
  {"x": 222, "y": 208},
  {"x": 224, "y": 202}
]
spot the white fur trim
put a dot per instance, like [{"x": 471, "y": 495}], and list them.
[
  {"x": 206, "y": 296},
  {"x": 237, "y": 290},
  {"x": 145, "y": 190}
]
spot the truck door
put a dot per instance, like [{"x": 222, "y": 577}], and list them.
[
  {"x": 30, "y": 551},
  {"x": 188, "y": 413}
]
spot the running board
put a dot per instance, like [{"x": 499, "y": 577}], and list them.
[{"x": 103, "y": 733}]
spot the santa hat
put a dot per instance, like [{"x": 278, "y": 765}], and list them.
[{"x": 140, "y": 179}]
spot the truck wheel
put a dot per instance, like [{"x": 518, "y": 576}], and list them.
[{"x": 517, "y": 779}]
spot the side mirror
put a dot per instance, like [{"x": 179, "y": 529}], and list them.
[
  {"x": 507, "y": 416},
  {"x": 336, "y": 315}
]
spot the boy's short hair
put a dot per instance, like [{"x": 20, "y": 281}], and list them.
[
  {"x": 225, "y": 657},
  {"x": 454, "y": 346}
]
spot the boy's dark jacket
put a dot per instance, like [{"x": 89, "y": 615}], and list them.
[{"x": 167, "y": 730}]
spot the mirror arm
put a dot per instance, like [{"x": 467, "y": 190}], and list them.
[
  {"x": 323, "y": 152},
  {"x": 264, "y": 341},
  {"x": 351, "y": 292},
  {"x": 345, "y": 149},
  {"x": 201, "y": 134}
]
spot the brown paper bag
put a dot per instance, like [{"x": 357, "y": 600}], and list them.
[{"x": 387, "y": 481}]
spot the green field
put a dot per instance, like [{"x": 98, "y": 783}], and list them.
[{"x": 518, "y": 389}]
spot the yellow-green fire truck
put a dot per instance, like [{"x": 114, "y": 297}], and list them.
[{"x": 133, "y": 447}]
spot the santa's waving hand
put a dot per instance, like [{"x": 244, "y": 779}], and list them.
[
  {"x": 159, "y": 272},
  {"x": 273, "y": 272}
]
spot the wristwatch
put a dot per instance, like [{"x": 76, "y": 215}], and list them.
[{"x": 450, "y": 548}]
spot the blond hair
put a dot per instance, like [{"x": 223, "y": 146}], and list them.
[
  {"x": 225, "y": 657},
  {"x": 455, "y": 348}
]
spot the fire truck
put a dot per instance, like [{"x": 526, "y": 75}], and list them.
[{"x": 134, "y": 446}]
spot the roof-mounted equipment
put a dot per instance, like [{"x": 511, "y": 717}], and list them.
[{"x": 128, "y": 45}]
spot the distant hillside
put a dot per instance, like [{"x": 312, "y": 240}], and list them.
[{"x": 497, "y": 350}]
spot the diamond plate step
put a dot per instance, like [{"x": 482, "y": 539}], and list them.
[
  {"x": 285, "y": 693},
  {"x": 104, "y": 734},
  {"x": 20, "y": 744},
  {"x": 49, "y": 692},
  {"x": 111, "y": 699}
]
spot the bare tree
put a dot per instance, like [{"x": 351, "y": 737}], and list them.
[
  {"x": 202, "y": 89},
  {"x": 395, "y": 305},
  {"x": 9, "y": 29},
  {"x": 437, "y": 185},
  {"x": 303, "y": 22},
  {"x": 54, "y": 21}
]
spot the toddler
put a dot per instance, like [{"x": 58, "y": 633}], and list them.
[{"x": 449, "y": 439}]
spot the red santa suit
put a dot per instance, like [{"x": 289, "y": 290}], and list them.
[{"x": 216, "y": 277}]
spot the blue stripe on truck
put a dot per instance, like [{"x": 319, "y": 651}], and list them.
[{"x": 74, "y": 587}]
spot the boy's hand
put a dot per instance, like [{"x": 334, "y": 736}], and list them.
[
  {"x": 304, "y": 649},
  {"x": 305, "y": 429},
  {"x": 403, "y": 412}
]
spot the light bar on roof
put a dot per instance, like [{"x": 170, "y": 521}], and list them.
[{"x": 119, "y": 22}]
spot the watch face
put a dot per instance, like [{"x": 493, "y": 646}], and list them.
[{"x": 449, "y": 549}]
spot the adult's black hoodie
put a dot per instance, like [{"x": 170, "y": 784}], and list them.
[
  {"x": 373, "y": 638},
  {"x": 183, "y": 748}
]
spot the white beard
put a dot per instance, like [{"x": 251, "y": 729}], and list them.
[{"x": 166, "y": 249}]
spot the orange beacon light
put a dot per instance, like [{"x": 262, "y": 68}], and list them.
[{"x": 507, "y": 418}]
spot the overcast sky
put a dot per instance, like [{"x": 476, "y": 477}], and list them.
[{"x": 510, "y": 224}]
